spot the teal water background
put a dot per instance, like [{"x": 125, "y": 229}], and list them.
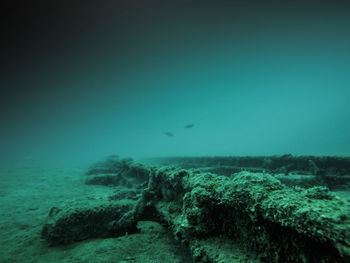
[{"x": 83, "y": 81}]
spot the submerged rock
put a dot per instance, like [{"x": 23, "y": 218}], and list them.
[
  {"x": 255, "y": 211},
  {"x": 248, "y": 216},
  {"x": 118, "y": 172},
  {"x": 330, "y": 171},
  {"x": 76, "y": 223}
]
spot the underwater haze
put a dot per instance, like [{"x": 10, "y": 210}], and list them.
[
  {"x": 175, "y": 131},
  {"x": 86, "y": 79}
]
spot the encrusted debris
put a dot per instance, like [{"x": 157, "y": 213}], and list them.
[{"x": 247, "y": 216}]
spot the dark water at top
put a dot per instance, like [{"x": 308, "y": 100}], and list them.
[{"x": 85, "y": 80}]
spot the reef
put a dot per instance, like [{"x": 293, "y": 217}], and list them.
[{"x": 248, "y": 216}]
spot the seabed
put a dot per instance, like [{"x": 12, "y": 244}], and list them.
[{"x": 189, "y": 209}]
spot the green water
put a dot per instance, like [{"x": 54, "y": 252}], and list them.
[{"x": 84, "y": 81}]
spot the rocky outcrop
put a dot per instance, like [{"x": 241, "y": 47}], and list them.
[
  {"x": 75, "y": 223},
  {"x": 252, "y": 216},
  {"x": 255, "y": 211},
  {"x": 330, "y": 171},
  {"x": 118, "y": 172}
]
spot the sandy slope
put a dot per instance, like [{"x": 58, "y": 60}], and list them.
[{"x": 28, "y": 193}]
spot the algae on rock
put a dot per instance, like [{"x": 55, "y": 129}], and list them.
[{"x": 251, "y": 215}]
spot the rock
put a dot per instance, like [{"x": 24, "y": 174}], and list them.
[
  {"x": 75, "y": 223},
  {"x": 118, "y": 172},
  {"x": 247, "y": 216},
  {"x": 330, "y": 171},
  {"x": 254, "y": 211}
]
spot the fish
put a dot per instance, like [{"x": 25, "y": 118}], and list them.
[
  {"x": 170, "y": 134},
  {"x": 188, "y": 126}
]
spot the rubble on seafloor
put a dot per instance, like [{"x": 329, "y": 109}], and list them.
[{"x": 251, "y": 216}]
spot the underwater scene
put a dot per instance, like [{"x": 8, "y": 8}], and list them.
[{"x": 214, "y": 131}]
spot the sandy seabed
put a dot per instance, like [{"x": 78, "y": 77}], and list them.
[{"x": 27, "y": 195}]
